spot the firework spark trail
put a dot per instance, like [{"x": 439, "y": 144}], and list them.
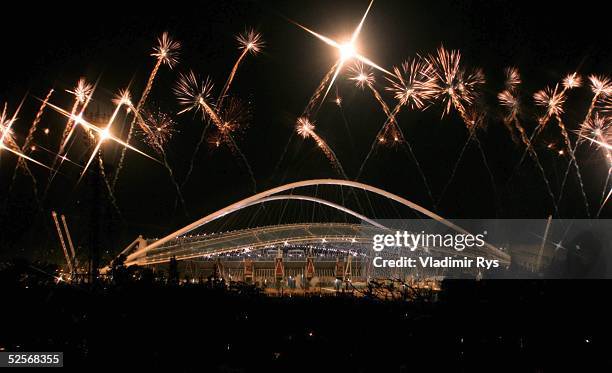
[
  {"x": 552, "y": 100},
  {"x": 27, "y": 144},
  {"x": 393, "y": 127},
  {"x": 192, "y": 94},
  {"x": 379, "y": 138},
  {"x": 109, "y": 190},
  {"x": 457, "y": 88},
  {"x": 157, "y": 144},
  {"x": 315, "y": 100},
  {"x": 601, "y": 86},
  {"x": 536, "y": 159},
  {"x": 509, "y": 99},
  {"x": 7, "y": 140},
  {"x": 166, "y": 53},
  {"x": 412, "y": 86},
  {"x": 598, "y": 130},
  {"x": 228, "y": 139},
  {"x": 82, "y": 96},
  {"x": 347, "y": 127},
  {"x": 308, "y": 110},
  {"x": 455, "y": 167},
  {"x": 9, "y": 143},
  {"x": 568, "y": 145},
  {"x": 37, "y": 119},
  {"x": 306, "y": 129},
  {"x": 249, "y": 41}
]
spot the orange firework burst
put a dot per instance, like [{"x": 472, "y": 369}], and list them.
[
  {"x": 82, "y": 92},
  {"x": 513, "y": 78},
  {"x": 510, "y": 101},
  {"x": 166, "y": 50},
  {"x": 361, "y": 75},
  {"x": 572, "y": 81},
  {"x": 454, "y": 86},
  {"x": 550, "y": 99},
  {"x": 250, "y": 41},
  {"x": 304, "y": 127},
  {"x": 193, "y": 93},
  {"x": 160, "y": 129},
  {"x": 599, "y": 128},
  {"x": 414, "y": 83},
  {"x": 601, "y": 85}
]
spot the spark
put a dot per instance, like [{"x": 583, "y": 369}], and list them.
[
  {"x": 250, "y": 41},
  {"x": 454, "y": 85},
  {"x": 83, "y": 91},
  {"x": 413, "y": 87},
  {"x": 513, "y": 78},
  {"x": 413, "y": 84},
  {"x": 572, "y": 81},
  {"x": 7, "y": 141},
  {"x": 598, "y": 142},
  {"x": 551, "y": 99},
  {"x": 601, "y": 85},
  {"x": 166, "y": 52},
  {"x": 510, "y": 101},
  {"x": 347, "y": 50},
  {"x": 193, "y": 95},
  {"x": 78, "y": 119},
  {"x": 305, "y": 128},
  {"x": 362, "y": 75},
  {"x": 161, "y": 128},
  {"x": 597, "y": 127}
]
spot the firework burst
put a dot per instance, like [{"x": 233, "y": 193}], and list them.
[
  {"x": 361, "y": 75},
  {"x": 572, "y": 81},
  {"x": 7, "y": 138},
  {"x": 413, "y": 84},
  {"x": 166, "y": 52},
  {"x": 513, "y": 78},
  {"x": 251, "y": 41},
  {"x": 454, "y": 85},
  {"x": 550, "y": 99},
  {"x": 82, "y": 92},
  {"x": 510, "y": 101},
  {"x": 193, "y": 94},
  {"x": 306, "y": 129},
  {"x": 160, "y": 129}
]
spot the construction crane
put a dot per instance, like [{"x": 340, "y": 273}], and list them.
[{"x": 61, "y": 238}]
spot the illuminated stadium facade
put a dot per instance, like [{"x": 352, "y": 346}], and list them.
[{"x": 313, "y": 252}]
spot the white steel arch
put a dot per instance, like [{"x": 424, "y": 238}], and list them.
[{"x": 300, "y": 184}]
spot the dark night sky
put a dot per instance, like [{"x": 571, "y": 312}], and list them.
[{"x": 54, "y": 47}]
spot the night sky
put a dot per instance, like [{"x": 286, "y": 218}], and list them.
[{"x": 54, "y": 47}]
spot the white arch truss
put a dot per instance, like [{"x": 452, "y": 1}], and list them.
[{"x": 271, "y": 194}]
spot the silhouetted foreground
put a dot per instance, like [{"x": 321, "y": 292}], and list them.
[{"x": 517, "y": 326}]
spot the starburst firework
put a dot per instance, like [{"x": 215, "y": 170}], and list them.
[
  {"x": 413, "y": 84},
  {"x": 251, "y": 41},
  {"x": 166, "y": 50}
]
